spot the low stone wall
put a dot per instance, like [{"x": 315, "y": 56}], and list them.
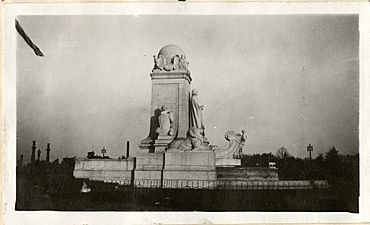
[
  {"x": 167, "y": 167},
  {"x": 107, "y": 170},
  {"x": 228, "y": 162},
  {"x": 193, "y": 170},
  {"x": 247, "y": 173}
]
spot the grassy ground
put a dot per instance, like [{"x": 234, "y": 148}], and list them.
[{"x": 107, "y": 197}]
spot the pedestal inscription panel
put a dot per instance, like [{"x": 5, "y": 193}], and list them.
[{"x": 190, "y": 165}]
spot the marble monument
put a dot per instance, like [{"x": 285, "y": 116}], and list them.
[
  {"x": 176, "y": 148},
  {"x": 170, "y": 87}
]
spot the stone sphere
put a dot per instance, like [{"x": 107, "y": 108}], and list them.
[{"x": 169, "y": 51}]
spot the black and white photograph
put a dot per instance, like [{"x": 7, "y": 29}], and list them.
[{"x": 185, "y": 112}]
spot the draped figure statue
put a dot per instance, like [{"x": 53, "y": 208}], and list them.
[{"x": 196, "y": 112}]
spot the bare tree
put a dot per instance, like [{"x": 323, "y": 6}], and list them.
[{"x": 282, "y": 153}]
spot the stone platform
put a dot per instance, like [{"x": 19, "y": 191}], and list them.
[
  {"x": 189, "y": 166},
  {"x": 107, "y": 170},
  {"x": 198, "y": 165},
  {"x": 149, "y": 166},
  {"x": 166, "y": 168}
]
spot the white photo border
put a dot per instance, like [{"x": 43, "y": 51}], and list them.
[{"x": 180, "y": 8}]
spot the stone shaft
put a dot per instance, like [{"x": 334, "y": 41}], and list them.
[{"x": 172, "y": 90}]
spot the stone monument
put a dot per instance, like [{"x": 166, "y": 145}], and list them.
[
  {"x": 176, "y": 127},
  {"x": 171, "y": 89},
  {"x": 176, "y": 153}
]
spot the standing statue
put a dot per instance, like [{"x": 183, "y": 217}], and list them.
[
  {"x": 243, "y": 139},
  {"x": 165, "y": 122},
  {"x": 196, "y": 112}
]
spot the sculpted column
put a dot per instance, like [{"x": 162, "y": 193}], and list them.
[{"x": 170, "y": 99}]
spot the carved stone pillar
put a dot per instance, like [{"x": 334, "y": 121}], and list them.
[{"x": 171, "y": 88}]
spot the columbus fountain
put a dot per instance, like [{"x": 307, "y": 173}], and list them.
[{"x": 176, "y": 152}]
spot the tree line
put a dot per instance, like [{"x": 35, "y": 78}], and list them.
[{"x": 338, "y": 169}]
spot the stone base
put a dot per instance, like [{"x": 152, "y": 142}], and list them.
[
  {"x": 190, "y": 160},
  {"x": 161, "y": 143},
  {"x": 107, "y": 170},
  {"x": 157, "y": 146},
  {"x": 191, "y": 169},
  {"x": 148, "y": 175},
  {"x": 228, "y": 162},
  {"x": 149, "y": 166},
  {"x": 146, "y": 145},
  {"x": 149, "y": 161},
  {"x": 195, "y": 175}
]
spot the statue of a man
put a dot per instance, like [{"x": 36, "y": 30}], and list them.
[
  {"x": 165, "y": 122},
  {"x": 196, "y": 112},
  {"x": 243, "y": 139}
]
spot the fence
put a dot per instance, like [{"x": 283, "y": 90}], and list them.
[
  {"x": 220, "y": 184},
  {"x": 146, "y": 194}
]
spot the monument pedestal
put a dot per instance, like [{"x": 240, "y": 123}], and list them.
[
  {"x": 149, "y": 166},
  {"x": 193, "y": 169},
  {"x": 170, "y": 89},
  {"x": 161, "y": 143}
]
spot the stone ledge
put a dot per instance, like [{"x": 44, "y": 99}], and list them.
[
  {"x": 228, "y": 162},
  {"x": 104, "y": 164},
  {"x": 171, "y": 75},
  {"x": 189, "y": 175},
  {"x": 188, "y": 167},
  {"x": 110, "y": 159},
  {"x": 148, "y": 174},
  {"x": 106, "y": 174}
]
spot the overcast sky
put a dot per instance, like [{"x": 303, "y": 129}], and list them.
[{"x": 287, "y": 80}]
